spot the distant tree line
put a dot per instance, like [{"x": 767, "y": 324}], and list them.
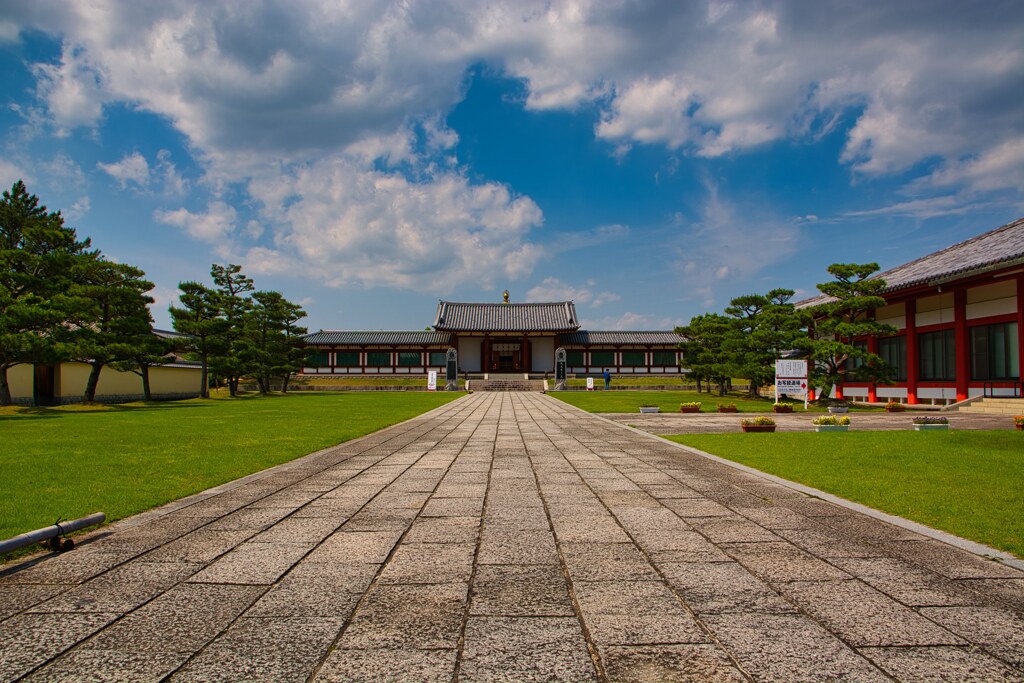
[
  {"x": 63, "y": 300},
  {"x": 757, "y": 329}
]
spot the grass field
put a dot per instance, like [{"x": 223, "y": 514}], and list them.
[
  {"x": 969, "y": 483},
  {"x": 74, "y": 460},
  {"x": 668, "y": 401}
]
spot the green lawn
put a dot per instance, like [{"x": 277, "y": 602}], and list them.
[
  {"x": 630, "y": 401},
  {"x": 71, "y": 461},
  {"x": 969, "y": 483}
]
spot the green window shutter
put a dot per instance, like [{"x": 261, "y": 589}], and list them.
[
  {"x": 346, "y": 359},
  {"x": 633, "y": 358},
  {"x": 602, "y": 358},
  {"x": 378, "y": 358},
  {"x": 409, "y": 358},
  {"x": 664, "y": 358},
  {"x": 573, "y": 358},
  {"x": 320, "y": 358},
  {"x": 438, "y": 358}
]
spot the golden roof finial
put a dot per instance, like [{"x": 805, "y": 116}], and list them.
[{"x": 505, "y": 297}]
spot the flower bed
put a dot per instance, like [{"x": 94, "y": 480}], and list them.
[
  {"x": 929, "y": 423},
  {"x": 690, "y": 407},
  {"x": 831, "y": 423},
  {"x": 727, "y": 408},
  {"x": 782, "y": 408},
  {"x": 758, "y": 424}
]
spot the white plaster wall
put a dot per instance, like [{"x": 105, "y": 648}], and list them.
[
  {"x": 995, "y": 299},
  {"x": 860, "y": 392},
  {"x": 934, "y": 310},
  {"x": 891, "y": 392},
  {"x": 895, "y": 315},
  {"x": 469, "y": 354},
  {"x": 936, "y": 392},
  {"x": 543, "y": 351}
]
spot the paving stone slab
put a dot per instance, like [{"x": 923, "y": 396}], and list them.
[
  {"x": 255, "y": 563},
  {"x": 941, "y": 664},
  {"x": 635, "y": 613},
  {"x": 510, "y": 590},
  {"x": 781, "y": 562},
  {"x": 507, "y": 546},
  {"x": 181, "y": 620},
  {"x": 276, "y": 650},
  {"x": 109, "y": 666},
  {"x": 1001, "y": 631},
  {"x": 382, "y": 665},
  {"x": 408, "y": 616},
  {"x": 789, "y": 647},
  {"x": 360, "y": 547},
  {"x": 29, "y": 640},
  {"x": 444, "y": 530},
  {"x": 669, "y": 664},
  {"x": 17, "y": 597},
  {"x": 907, "y": 583},
  {"x": 430, "y": 563},
  {"x": 722, "y": 587},
  {"x": 201, "y": 546},
  {"x": 524, "y": 649},
  {"x": 607, "y": 562},
  {"x": 862, "y": 616}
]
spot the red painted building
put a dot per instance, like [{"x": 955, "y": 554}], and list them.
[{"x": 959, "y": 313}]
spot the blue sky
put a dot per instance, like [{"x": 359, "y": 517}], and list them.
[{"x": 649, "y": 160}]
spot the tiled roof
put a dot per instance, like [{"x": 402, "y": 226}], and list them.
[
  {"x": 998, "y": 248},
  {"x": 584, "y": 337},
  {"x": 379, "y": 338},
  {"x": 553, "y": 317}
]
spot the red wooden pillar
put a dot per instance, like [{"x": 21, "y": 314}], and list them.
[
  {"x": 872, "y": 388},
  {"x": 912, "y": 361},
  {"x": 962, "y": 343},
  {"x": 485, "y": 355}
]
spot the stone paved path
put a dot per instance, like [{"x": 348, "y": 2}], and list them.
[{"x": 510, "y": 537}]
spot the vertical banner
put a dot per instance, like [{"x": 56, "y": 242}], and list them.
[
  {"x": 432, "y": 380},
  {"x": 590, "y": 384}
]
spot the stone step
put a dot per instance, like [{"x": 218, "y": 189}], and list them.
[
  {"x": 995, "y": 406},
  {"x": 506, "y": 385}
]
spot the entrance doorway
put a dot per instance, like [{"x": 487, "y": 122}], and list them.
[
  {"x": 43, "y": 385},
  {"x": 506, "y": 357}
]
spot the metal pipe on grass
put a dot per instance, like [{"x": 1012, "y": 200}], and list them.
[{"x": 53, "y": 531}]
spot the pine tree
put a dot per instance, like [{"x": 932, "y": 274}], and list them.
[
  {"x": 115, "y": 321},
  {"x": 846, "y": 316},
  {"x": 37, "y": 253}
]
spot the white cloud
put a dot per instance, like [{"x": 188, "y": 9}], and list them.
[
  {"x": 1001, "y": 167},
  {"x": 553, "y": 289},
  {"x": 72, "y": 89},
  {"x": 132, "y": 168},
  {"x": 173, "y": 183},
  {"x": 730, "y": 241},
  {"x": 215, "y": 226},
  {"x": 919, "y": 208},
  {"x": 11, "y": 173},
  {"x": 345, "y": 224},
  {"x": 78, "y": 209},
  {"x": 629, "y": 321}
]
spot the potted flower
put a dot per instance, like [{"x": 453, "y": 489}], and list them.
[
  {"x": 727, "y": 408},
  {"x": 690, "y": 407},
  {"x": 926, "y": 423},
  {"x": 831, "y": 423},
  {"x": 758, "y": 424},
  {"x": 649, "y": 408},
  {"x": 1018, "y": 422},
  {"x": 783, "y": 407},
  {"x": 895, "y": 407},
  {"x": 839, "y": 409}
]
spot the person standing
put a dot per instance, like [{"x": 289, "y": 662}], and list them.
[{"x": 607, "y": 379}]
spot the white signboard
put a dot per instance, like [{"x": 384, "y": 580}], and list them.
[
  {"x": 432, "y": 380},
  {"x": 791, "y": 368},
  {"x": 790, "y": 387},
  {"x": 590, "y": 384}
]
